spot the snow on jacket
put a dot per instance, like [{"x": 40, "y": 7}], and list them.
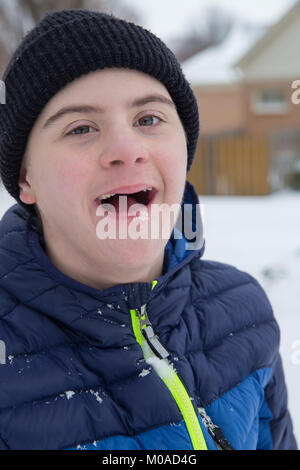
[{"x": 76, "y": 376}]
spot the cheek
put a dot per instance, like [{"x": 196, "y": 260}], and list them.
[
  {"x": 174, "y": 162},
  {"x": 61, "y": 178},
  {"x": 179, "y": 149},
  {"x": 68, "y": 177}
]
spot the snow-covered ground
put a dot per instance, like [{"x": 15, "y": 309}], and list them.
[{"x": 260, "y": 235}]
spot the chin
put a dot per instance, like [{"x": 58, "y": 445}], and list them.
[{"x": 136, "y": 254}]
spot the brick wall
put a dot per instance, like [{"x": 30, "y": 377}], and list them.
[
  {"x": 220, "y": 108},
  {"x": 265, "y": 122}
]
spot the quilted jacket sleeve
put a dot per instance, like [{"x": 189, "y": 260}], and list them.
[{"x": 276, "y": 429}]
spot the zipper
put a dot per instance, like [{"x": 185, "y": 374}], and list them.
[
  {"x": 215, "y": 432},
  {"x": 149, "y": 335},
  {"x": 157, "y": 355}
]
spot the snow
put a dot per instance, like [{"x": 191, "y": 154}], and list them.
[
  {"x": 144, "y": 372},
  {"x": 5, "y": 201},
  {"x": 96, "y": 394},
  {"x": 260, "y": 235},
  {"x": 69, "y": 394},
  {"x": 216, "y": 65}
]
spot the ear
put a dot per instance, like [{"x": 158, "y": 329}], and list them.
[{"x": 27, "y": 194}]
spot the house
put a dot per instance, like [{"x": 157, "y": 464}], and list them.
[
  {"x": 248, "y": 78},
  {"x": 245, "y": 87},
  {"x": 269, "y": 69},
  {"x": 217, "y": 82}
]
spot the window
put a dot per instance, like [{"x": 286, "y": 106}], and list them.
[{"x": 269, "y": 101}]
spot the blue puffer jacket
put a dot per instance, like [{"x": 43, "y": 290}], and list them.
[{"x": 75, "y": 375}]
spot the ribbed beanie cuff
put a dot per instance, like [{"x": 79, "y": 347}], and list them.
[{"x": 66, "y": 45}]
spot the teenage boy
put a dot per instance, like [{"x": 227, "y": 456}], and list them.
[{"x": 119, "y": 342}]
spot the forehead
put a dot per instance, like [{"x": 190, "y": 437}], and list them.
[{"x": 106, "y": 87}]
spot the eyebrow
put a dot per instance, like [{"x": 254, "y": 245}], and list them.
[{"x": 155, "y": 98}]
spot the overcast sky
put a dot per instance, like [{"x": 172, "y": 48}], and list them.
[{"x": 169, "y": 18}]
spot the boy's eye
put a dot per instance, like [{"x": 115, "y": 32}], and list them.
[
  {"x": 148, "y": 121},
  {"x": 145, "y": 121},
  {"x": 81, "y": 130}
]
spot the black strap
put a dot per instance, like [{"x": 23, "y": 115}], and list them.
[
  {"x": 220, "y": 439},
  {"x": 215, "y": 432}
]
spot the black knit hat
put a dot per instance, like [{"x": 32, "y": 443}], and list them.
[{"x": 65, "y": 45}]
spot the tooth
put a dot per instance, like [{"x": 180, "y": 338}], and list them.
[{"x": 106, "y": 196}]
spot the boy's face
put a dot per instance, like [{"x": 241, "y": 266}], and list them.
[{"x": 126, "y": 137}]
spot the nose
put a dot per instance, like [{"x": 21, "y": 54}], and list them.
[{"x": 123, "y": 148}]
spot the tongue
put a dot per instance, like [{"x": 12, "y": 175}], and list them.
[{"x": 126, "y": 202}]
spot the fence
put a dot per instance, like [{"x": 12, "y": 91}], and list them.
[{"x": 232, "y": 166}]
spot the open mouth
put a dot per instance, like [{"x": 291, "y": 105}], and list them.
[{"x": 144, "y": 197}]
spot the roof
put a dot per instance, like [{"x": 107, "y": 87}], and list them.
[
  {"x": 272, "y": 32},
  {"x": 216, "y": 65}
]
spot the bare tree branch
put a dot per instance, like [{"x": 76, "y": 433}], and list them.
[
  {"x": 208, "y": 31},
  {"x": 19, "y": 16}
]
